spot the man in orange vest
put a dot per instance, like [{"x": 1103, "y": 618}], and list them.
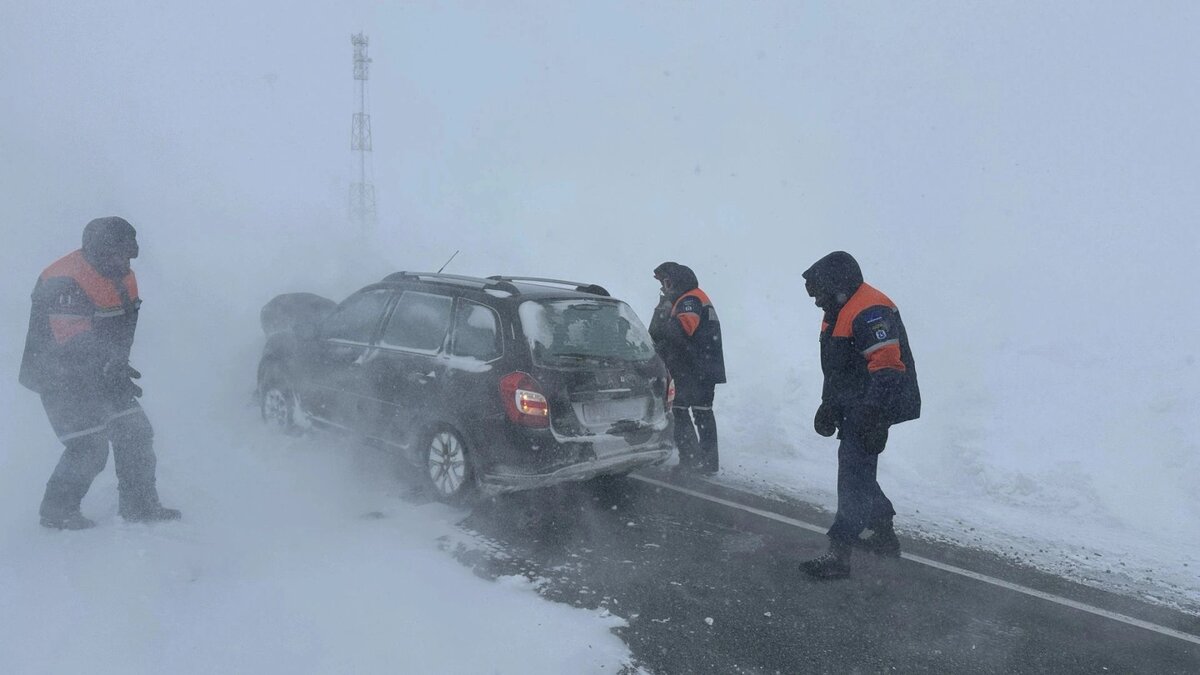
[
  {"x": 870, "y": 384},
  {"x": 687, "y": 335},
  {"x": 81, "y": 326}
]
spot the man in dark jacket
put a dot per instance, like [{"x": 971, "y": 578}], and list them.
[
  {"x": 687, "y": 335},
  {"x": 81, "y": 326},
  {"x": 870, "y": 384}
]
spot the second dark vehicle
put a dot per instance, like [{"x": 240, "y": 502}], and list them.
[{"x": 490, "y": 385}]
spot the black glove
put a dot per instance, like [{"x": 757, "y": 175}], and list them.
[
  {"x": 131, "y": 387},
  {"x": 827, "y": 420},
  {"x": 869, "y": 424},
  {"x": 119, "y": 379}
]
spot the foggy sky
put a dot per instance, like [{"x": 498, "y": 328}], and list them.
[{"x": 1017, "y": 176}]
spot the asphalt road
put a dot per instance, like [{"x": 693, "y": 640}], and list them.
[{"x": 707, "y": 587}]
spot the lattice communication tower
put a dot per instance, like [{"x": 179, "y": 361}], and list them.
[{"x": 362, "y": 193}]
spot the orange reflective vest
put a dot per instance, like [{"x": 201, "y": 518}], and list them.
[{"x": 79, "y": 321}]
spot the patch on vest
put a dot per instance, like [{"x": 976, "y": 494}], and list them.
[{"x": 877, "y": 323}]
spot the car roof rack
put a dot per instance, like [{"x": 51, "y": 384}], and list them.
[
  {"x": 491, "y": 283},
  {"x": 593, "y": 289}
]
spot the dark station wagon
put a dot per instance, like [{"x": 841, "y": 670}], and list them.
[{"x": 484, "y": 384}]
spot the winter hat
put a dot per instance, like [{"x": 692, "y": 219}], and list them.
[
  {"x": 113, "y": 234},
  {"x": 682, "y": 277},
  {"x": 664, "y": 270},
  {"x": 836, "y": 273}
]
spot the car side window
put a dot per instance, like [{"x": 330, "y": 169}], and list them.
[
  {"x": 476, "y": 332},
  {"x": 419, "y": 323},
  {"x": 356, "y": 318}
]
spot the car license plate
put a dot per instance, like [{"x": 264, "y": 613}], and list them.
[{"x": 615, "y": 410}]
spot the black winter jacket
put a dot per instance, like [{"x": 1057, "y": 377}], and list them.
[
  {"x": 865, "y": 356},
  {"x": 687, "y": 332},
  {"x": 80, "y": 322}
]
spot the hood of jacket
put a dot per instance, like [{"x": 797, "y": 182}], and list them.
[
  {"x": 682, "y": 278},
  {"x": 832, "y": 280},
  {"x": 104, "y": 237}
]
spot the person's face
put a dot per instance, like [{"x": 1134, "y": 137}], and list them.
[
  {"x": 665, "y": 284},
  {"x": 819, "y": 299},
  {"x": 116, "y": 260}
]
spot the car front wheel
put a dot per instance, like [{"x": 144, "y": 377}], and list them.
[
  {"x": 448, "y": 473},
  {"x": 278, "y": 402}
]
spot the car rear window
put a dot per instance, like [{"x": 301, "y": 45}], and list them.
[{"x": 568, "y": 332}]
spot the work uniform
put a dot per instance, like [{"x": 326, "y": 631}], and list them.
[
  {"x": 870, "y": 383},
  {"x": 687, "y": 335},
  {"x": 867, "y": 365},
  {"x": 81, "y": 329}
]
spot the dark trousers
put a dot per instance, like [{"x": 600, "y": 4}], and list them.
[
  {"x": 696, "y": 427},
  {"x": 860, "y": 501},
  {"x": 86, "y": 424}
]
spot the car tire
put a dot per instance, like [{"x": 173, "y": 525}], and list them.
[
  {"x": 445, "y": 465},
  {"x": 279, "y": 404}
]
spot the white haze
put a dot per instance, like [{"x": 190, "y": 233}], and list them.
[{"x": 1019, "y": 177}]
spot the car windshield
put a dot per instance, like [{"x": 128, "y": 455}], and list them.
[{"x": 566, "y": 332}]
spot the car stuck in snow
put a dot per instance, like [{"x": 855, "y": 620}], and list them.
[{"x": 485, "y": 385}]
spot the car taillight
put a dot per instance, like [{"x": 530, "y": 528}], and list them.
[
  {"x": 524, "y": 401},
  {"x": 670, "y": 391}
]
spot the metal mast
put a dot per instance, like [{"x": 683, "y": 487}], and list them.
[{"x": 362, "y": 193}]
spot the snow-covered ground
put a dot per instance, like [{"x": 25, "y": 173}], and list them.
[
  {"x": 1018, "y": 178},
  {"x": 1078, "y": 515},
  {"x": 1077, "y": 457},
  {"x": 295, "y": 555}
]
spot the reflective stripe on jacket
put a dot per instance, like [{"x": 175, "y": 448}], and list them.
[{"x": 865, "y": 357}]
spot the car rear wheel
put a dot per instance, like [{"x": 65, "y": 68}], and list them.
[
  {"x": 447, "y": 468},
  {"x": 278, "y": 401}
]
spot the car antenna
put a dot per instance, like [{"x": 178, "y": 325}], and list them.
[{"x": 447, "y": 263}]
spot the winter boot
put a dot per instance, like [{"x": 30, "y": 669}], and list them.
[
  {"x": 150, "y": 514},
  {"x": 706, "y": 433},
  {"x": 71, "y": 521},
  {"x": 834, "y": 564},
  {"x": 880, "y": 539}
]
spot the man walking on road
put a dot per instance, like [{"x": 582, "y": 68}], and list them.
[
  {"x": 81, "y": 326},
  {"x": 687, "y": 335},
  {"x": 870, "y": 384}
]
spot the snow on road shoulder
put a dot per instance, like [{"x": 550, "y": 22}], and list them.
[
  {"x": 999, "y": 464},
  {"x": 295, "y": 555}
]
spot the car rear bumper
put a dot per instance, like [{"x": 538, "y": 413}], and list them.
[{"x": 500, "y": 481}]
